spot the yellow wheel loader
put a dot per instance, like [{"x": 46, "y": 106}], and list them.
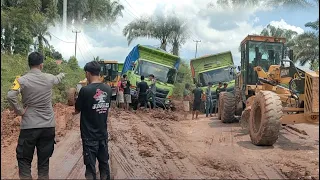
[
  {"x": 108, "y": 74},
  {"x": 270, "y": 91}
]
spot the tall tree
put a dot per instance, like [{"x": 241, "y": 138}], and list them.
[
  {"x": 97, "y": 12},
  {"x": 279, "y": 32},
  {"x": 166, "y": 29},
  {"x": 306, "y": 48},
  {"x": 39, "y": 30},
  {"x": 178, "y": 35}
]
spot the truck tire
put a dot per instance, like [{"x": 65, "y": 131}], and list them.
[
  {"x": 220, "y": 105},
  {"x": 228, "y": 107},
  {"x": 265, "y": 116},
  {"x": 72, "y": 96}
]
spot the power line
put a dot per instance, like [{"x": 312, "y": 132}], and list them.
[
  {"x": 60, "y": 39},
  {"x": 81, "y": 54},
  {"x": 86, "y": 44},
  {"x": 131, "y": 7}
]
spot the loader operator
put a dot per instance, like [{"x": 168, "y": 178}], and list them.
[
  {"x": 38, "y": 123},
  {"x": 93, "y": 102}
]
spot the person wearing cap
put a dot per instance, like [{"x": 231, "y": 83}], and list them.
[
  {"x": 209, "y": 100},
  {"x": 93, "y": 103},
  {"x": 37, "y": 123}
]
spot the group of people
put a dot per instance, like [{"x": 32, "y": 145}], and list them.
[
  {"x": 124, "y": 92},
  {"x": 199, "y": 96},
  {"x": 38, "y": 122}
]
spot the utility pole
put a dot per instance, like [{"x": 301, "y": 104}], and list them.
[
  {"x": 196, "y": 41},
  {"x": 75, "y": 45}
]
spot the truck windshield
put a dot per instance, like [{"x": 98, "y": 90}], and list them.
[
  {"x": 215, "y": 76},
  {"x": 161, "y": 73}
]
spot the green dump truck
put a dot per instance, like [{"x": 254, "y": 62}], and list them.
[
  {"x": 214, "y": 68},
  {"x": 145, "y": 60}
]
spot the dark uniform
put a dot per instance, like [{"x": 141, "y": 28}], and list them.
[
  {"x": 38, "y": 123},
  {"x": 93, "y": 102},
  {"x": 197, "y": 98}
]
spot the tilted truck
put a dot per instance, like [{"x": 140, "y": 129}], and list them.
[
  {"x": 213, "y": 68},
  {"x": 145, "y": 60}
]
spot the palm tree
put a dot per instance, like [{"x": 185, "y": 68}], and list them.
[
  {"x": 278, "y": 32},
  {"x": 39, "y": 29},
  {"x": 179, "y": 34},
  {"x": 306, "y": 48},
  {"x": 94, "y": 11},
  {"x": 166, "y": 29}
]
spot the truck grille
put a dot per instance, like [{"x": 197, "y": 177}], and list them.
[
  {"x": 311, "y": 104},
  {"x": 161, "y": 93}
]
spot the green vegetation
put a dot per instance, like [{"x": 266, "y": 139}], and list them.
[
  {"x": 15, "y": 65},
  {"x": 25, "y": 23},
  {"x": 183, "y": 77},
  {"x": 167, "y": 29}
]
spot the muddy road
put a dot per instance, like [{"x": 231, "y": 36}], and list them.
[{"x": 162, "y": 145}]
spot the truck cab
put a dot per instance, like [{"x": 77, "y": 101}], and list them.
[
  {"x": 146, "y": 60},
  {"x": 214, "y": 68}
]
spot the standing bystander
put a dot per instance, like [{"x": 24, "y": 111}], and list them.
[{"x": 37, "y": 124}]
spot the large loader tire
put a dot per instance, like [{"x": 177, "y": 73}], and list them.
[
  {"x": 227, "y": 107},
  {"x": 72, "y": 96},
  {"x": 264, "y": 121}
]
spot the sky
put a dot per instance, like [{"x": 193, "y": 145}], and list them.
[{"x": 218, "y": 29}]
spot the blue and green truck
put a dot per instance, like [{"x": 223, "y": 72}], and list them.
[
  {"x": 214, "y": 68},
  {"x": 145, "y": 60}
]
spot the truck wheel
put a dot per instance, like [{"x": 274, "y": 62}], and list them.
[
  {"x": 72, "y": 96},
  {"x": 265, "y": 115},
  {"x": 220, "y": 107},
  {"x": 228, "y": 107}
]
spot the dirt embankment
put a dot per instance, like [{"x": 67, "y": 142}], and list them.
[{"x": 10, "y": 128}]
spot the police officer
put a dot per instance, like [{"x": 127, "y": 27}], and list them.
[{"x": 37, "y": 124}]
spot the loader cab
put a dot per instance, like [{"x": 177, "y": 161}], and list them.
[
  {"x": 259, "y": 51},
  {"x": 109, "y": 70}
]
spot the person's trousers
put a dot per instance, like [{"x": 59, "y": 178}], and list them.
[
  {"x": 93, "y": 150},
  {"x": 29, "y": 139},
  {"x": 153, "y": 95},
  {"x": 208, "y": 107}
]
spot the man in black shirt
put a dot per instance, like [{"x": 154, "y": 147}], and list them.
[
  {"x": 127, "y": 96},
  {"x": 93, "y": 102},
  {"x": 142, "y": 93},
  {"x": 196, "y": 101}
]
